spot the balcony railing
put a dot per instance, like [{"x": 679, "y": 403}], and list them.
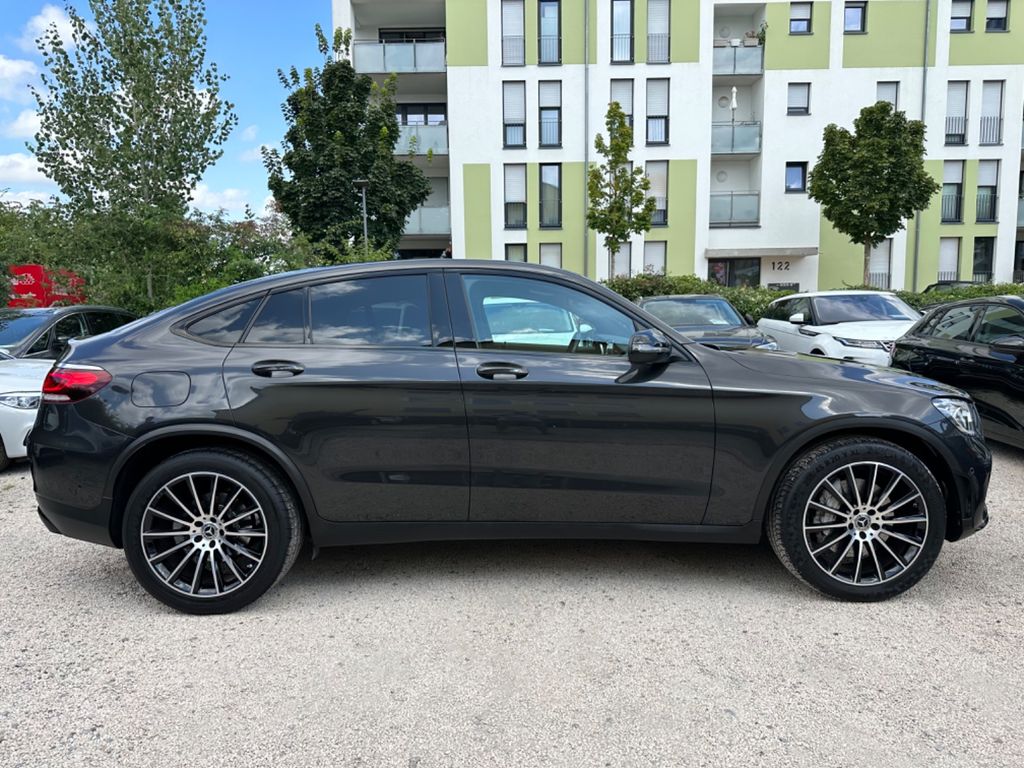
[
  {"x": 549, "y": 49},
  {"x": 384, "y": 58},
  {"x": 550, "y": 132},
  {"x": 956, "y": 130},
  {"x": 429, "y": 221},
  {"x": 947, "y": 275},
  {"x": 515, "y": 215},
  {"x": 952, "y": 209},
  {"x": 657, "y": 48},
  {"x": 987, "y": 204},
  {"x": 513, "y": 50},
  {"x": 622, "y": 49},
  {"x": 422, "y": 140},
  {"x": 738, "y": 60},
  {"x": 735, "y": 209},
  {"x": 735, "y": 138},
  {"x": 879, "y": 280},
  {"x": 657, "y": 130},
  {"x": 982, "y": 277},
  {"x": 1018, "y": 276},
  {"x": 515, "y": 135},
  {"x": 660, "y": 216},
  {"x": 991, "y": 130}
]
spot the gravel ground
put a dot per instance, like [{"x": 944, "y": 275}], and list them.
[{"x": 514, "y": 654}]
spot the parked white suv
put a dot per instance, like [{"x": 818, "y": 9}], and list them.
[{"x": 849, "y": 325}]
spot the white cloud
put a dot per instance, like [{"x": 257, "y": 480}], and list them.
[
  {"x": 38, "y": 24},
  {"x": 20, "y": 168},
  {"x": 24, "y": 126},
  {"x": 25, "y": 197},
  {"x": 253, "y": 154},
  {"x": 230, "y": 199},
  {"x": 249, "y": 134},
  {"x": 15, "y": 75}
]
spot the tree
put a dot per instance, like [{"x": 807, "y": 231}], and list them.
[
  {"x": 342, "y": 127},
  {"x": 870, "y": 181},
  {"x": 131, "y": 116},
  {"x": 619, "y": 204}
]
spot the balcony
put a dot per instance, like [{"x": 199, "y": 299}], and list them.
[
  {"x": 422, "y": 140},
  {"x": 982, "y": 277},
  {"x": 1018, "y": 276},
  {"x": 991, "y": 131},
  {"x": 735, "y": 138},
  {"x": 513, "y": 51},
  {"x": 986, "y": 207},
  {"x": 622, "y": 49},
  {"x": 384, "y": 58},
  {"x": 956, "y": 131},
  {"x": 735, "y": 209},
  {"x": 429, "y": 221},
  {"x": 657, "y": 48},
  {"x": 879, "y": 280},
  {"x": 952, "y": 209},
  {"x": 549, "y": 49},
  {"x": 947, "y": 276},
  {"x": 738, "y": 60}
]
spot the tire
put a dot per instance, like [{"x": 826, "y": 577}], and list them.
[
  {"x": 245, "y": 546},
  {"x": 871, "y": 556},
  {"x": 5, "y": 460}
]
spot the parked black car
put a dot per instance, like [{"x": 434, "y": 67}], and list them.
[
  {"x": 709, "y": 319},
  {"x": 44, "y": 332},
  {"x": 978, "y": 346},
  {"x": 945, "y": 286},
  {"x": 456, "y": 399}
]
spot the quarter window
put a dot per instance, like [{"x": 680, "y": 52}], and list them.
[
  {"x": 375, "y": 311},
  {"x": 999, "y": 322},
  {"x": 226, "y": 326},
  {"x": 282, "y": 319}
]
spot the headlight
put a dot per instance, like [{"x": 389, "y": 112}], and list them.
[
  {"x": 23, "y": 401},
  {"x": 960, "y": 412},
  {"x": 860, "y": 343},
  {"x": 769, "y": 343}
]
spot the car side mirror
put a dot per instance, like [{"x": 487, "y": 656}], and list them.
[
  {"x": 1012, "y": 344},
  {"x": 797, "y": 318},
  {"x": 749, "y": 318},
  {"x": 649, "y": 347}
]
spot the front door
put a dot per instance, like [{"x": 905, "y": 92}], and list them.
[
  {"x": 994, "y": 378},
  {"x": 562, "y": 428}
]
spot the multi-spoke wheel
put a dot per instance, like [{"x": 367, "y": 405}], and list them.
[
  {"x": 210, "y": 531},
  {"x": 858, "y": 518}
]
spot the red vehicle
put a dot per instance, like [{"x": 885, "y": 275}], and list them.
[{"x": 32, "y": 285}]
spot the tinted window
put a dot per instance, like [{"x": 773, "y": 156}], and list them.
[
  {"x": 955, "y": 324},
  {"x": 70, "y": 327},
  {"x": 226, "y": 326},
  {"x": 861, "y": 307},
  {"x": 101, "y": 322},
  {"x": 282, "y": 319},
  {"x": 17, "y": 326},
  {"x": 694, "y": 312},
  {"x": 42, "y": 344},
  {"x": 999, "y": 322},
  {"x": 374, "y": 311},
  {"x": 517, "y": 313},
  {"x": 778, "y": 311}
]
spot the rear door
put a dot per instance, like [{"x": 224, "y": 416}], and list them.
[
  {"x": 348, "y": 378},
  {"x": 944, "y": 343},
  {"x": 995, "y": 379}
]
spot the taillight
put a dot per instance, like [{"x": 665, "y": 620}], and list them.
[{"x": 73, "y": 383}]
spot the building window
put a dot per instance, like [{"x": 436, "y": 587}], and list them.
[
  {"x": 984, "y": 252},
  {"x": 549, "y": 32},
  {"x": 515, "y": 197},
  {"x": 991, "y": 112},
  {"x": 513, "y": 39},
  {"x": 889, "y": 90},
  {"x": 879, "y": 265},
  {"x": 949, "y": 258},
  {"x": 551, "y": 195},
  {"x": 515, "y": 252},
  {"x": 735, "y": 272},
  {"x": 956, "y": 112},
  {"x": 551, "y": 254},
  {"x": 654, "y": 257},
  {"x": 855, "y": 18},
  {"x": 952, "y": 191},
  {"x": 514, "y": 114},
  {"x": 799, "y": 99},
  {"x": 988, "y": 186},
  {"x": 619, "y": 264},
  {"x": 960, "y": 15},
  {"x": 622, "y": 92},
  {"x": 657, "y": 172},
  {"x": 796, "y": 177},
  {"x": 657, "y": 111},
  {"x": 995, "y": 16},
  {"x": 800, "y": 18},
  {"x": 657, "y": 31},
  {"x": 421, "y": 114},
  {"x": 549, "y": 101},
  {"x": 622, "y": 31}
]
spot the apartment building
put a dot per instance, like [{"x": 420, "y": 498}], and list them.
[{"x": 500, "y": 101}]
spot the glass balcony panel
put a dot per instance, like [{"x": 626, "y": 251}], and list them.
[
  {"x": 740, "y": 60},
  {"x": 735, "y": 209},
  {"x": 429, "y": 221},
  {"x": 735, "y": 138},
  {"x": 384, "y": 58},
  {"x": 422, "y": 139}
]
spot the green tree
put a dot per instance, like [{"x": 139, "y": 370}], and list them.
[
  {"x": 342, "y": 127},
  {"x": 870, "y": 181},
  {"x": 619, "y": 205},
  {"x": 131, "y": 115}
]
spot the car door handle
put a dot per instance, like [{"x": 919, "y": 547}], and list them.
[
  {"x": 277, "y": 368},
  {"x": 501, "y": 371}
]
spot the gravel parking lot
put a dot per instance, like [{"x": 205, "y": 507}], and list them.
[{"x": 514, "y": 654}]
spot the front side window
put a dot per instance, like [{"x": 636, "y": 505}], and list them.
[
  {"x": 281, "y": 320},
  {"x": 551, "y": 195},
  {"x": 16, "y": 326},
  {"x": 798, "y": 101},
  {"x": 387, "y": 311},
  {"x": 101, "y": 322},
  {"x": 960, "y": 15},
  {"x": 622, "y": 31},
  {"x": 513, "y": 313},
  {"x": 549, "y": 102},
  {"x": 800, "y": 18},
  {"x": 549, "y": 41},
  {"x": 855, "y": 18},
  {"x": 999, "y": 322},
  {"x": 514, "y": 114},
  {"x": 796, "y": 177},
  {"x": 955, "y": 324},
  {"x": 657, "y": 111},
  {"x": 995, "y": 16}
]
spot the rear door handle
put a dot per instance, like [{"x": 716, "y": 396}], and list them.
[
  {"x": 277, "y": 368},
  {"x": 501, "y": 371}
]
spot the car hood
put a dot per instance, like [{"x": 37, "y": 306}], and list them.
[
  {"x": 725, "y": 335},
  {"x": 868, "y": 330},
  {"x": 23, "y": 375}
]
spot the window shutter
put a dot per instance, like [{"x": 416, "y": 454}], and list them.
[
  {"x": 515, "y": 102},
  {"x": 962, "y": 8},
  {"x": 621, "y": 263},
  {"x": 992, "y": 98},
  {"x": 549, "y": 93},
  {"x": 657, "y": 17},
  {"x": 796, "y": 97},
  {"x": 657, "y": 172},
  {"x": 956, "y": 99},
  {"x": 878, "y": 262},
  {"x": 654, "y": 257},
  {"x": 515, "y": 183},
  {"x": 953, "y": 172},
  {"x": 988, "y": 173},
  {"x": 888, "y": 91},
  {"x": 949, "y": 255},
  {"x": 996, "y": 9},
  {"x": 551, "y": 254},
  {"x": 657, "y": 98},
  {"x": 799, "y": 11},
  {"x": 622, "y": 92},
  {"x": 512, "y": 18}
]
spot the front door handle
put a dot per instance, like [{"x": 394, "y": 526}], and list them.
[
  {"x": 277, "y": 368},
  {"x": 501, "y": 371}
]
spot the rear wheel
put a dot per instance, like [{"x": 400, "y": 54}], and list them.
[
  {"x": 209, "y": 531},
  {"x": 858, "y": 519}
]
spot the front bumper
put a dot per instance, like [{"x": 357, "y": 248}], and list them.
[
  {"x": 970, "y": 478},
  {"x": 869, "y": 356},
  {"x": 15, "y": 424}
]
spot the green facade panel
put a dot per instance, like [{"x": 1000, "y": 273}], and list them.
[
  {"x": 681, "y": 232},
  {"x": 840, "y": 262},
  {"x": 466, "y": 32},
  {"x": 785, "y": 51},
  {"x": 894, "y": 37},
  {"x": 981, "y": 47},
  {"x": 476, "y": 191},
  {"x": 684, "y": 28}
]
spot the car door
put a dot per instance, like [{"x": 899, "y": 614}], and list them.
[
  {"x": 348, "y": 379},
  {"x": 52, "y": 343},
  {"x": 776, "y": 323},
  {"x": 562, "y": 428},
  {"x": 995, "y": 378},
  {"x": 943, "y": 343}
]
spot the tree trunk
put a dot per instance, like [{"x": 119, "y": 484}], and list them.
[{"x": 867, "y": 264}]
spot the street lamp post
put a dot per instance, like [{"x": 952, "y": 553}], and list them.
[{"x": 361, "y": 185}]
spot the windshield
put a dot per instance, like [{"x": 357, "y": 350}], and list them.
[
  {"x": 859, "y": 307},
  {"x": 694, "y": 312},
  {"x": 17, "y": 326}
]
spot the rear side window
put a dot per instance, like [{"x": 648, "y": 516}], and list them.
[
  {"x": 999, "y": 322},
  {"x": 373, "y": 311},
  {"x": 226, "y": 326},
  {"x": 281, "y": 320},
  {"x": 101, "y": 322},
  {"x": 955, "y": 324}
]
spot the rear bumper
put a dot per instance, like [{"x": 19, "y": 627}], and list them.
[{"x": 75, "y": 522}]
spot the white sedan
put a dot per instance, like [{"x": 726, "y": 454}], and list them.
[
  {"x": 848, "y": 325},
  {"x": 21, "y": 382}
]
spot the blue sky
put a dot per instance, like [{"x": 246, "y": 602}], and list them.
[{"x": 248, "y": 39}]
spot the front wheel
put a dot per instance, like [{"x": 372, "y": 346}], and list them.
[
  {"x": 858, "y": 518},
  {"x": 209, "y": 531}
]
